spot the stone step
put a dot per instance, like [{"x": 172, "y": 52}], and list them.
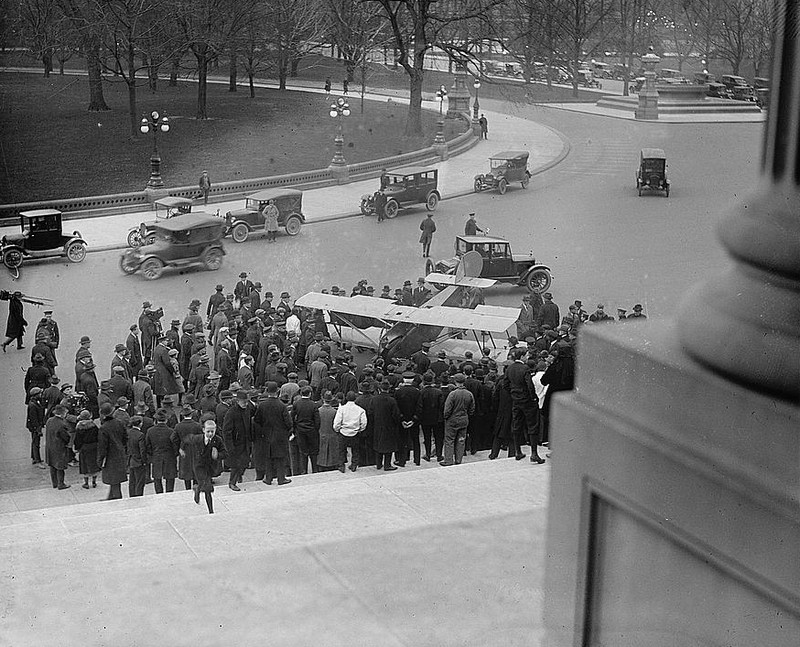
[{"x": 449, "y": 556}]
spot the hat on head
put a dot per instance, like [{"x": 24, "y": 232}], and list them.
[
  {"x": 460, "y": 378},
  {"x": 140, "y": 406},
  {"x": 213, "y": 375},
  {"x": 175, "y": 322},
  {"x": 106, "y": 409},
  {"x": 284, "y": 295},
  {"x": 227, "y": 393},
  {"x": 622, "y": 310},
  {"x": 38, "y": 357},
  {"x": 386, "y": 288},
  {"x": 563, "y": 328},
  {"x": 409, "y": 375},
  {"x": 85, "y": 415},
  {"x": 122, "y": 401},
  {"x": 161, "y": 415},
  {"x": 268, "y": 295},
  {"x": 54, "y": 379},
  {"x": 428, "y": 377},
  {"x": 173, "y": 352},
  {"x": 146, "y": 305},
  {"x": 134, "y": 327},
  {"x": 35, "y": 391},
  {"x": 241, "y": 394},
  {"x": 547, "y": 295},
  {"x": 420, "y": 280},
  {"x": 169, "y": 398},
  {"x": 327, "y": 396},
  {"x": 219, "y": 287},
  {"x": 637, "y": 307},
  {"x": 292, "y": 375},
  {"x": 600, "y": 306},
  {"x": 187, "y": 411},
  {"x": 257, "y": 285},
  {"x": 118, "y": 369},
  {"x": 88, "y": 365},
  {"x": 471, "y": 214},
  {"x": 243, "y": 275},
  {"x": 406, "y": 283},
  {"x": 85, "y": 339}
]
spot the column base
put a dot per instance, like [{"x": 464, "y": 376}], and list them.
[{"x": 340, "y": 172}]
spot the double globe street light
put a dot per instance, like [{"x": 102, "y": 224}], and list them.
[
  {"x": 441, "y": 94},
  {"x": 154, "y": 122},
  {"x": 339, "y": 108}
]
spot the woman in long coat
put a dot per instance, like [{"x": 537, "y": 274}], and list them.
[
  {"x": 206, "y": 451},
  {"x": 112, "y": 457},
  {"x": 330, "y": 450},
  {"x": 15, "y": 326},
  {"x": 385, "y": 427},
  {"x": 503, "y": 432},
  {"x": 86, "y": 437}
]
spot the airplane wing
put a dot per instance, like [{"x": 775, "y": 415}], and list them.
[
  {"x": 359, "y": 305},
  {"x": 500, "y": 311},
  {"x": 461, "y": 318},
  {"x": 465, "y": 281}
]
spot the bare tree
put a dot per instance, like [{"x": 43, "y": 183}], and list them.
[
  {"x": 735, "y": 28},
  {"x": 762, "y": 36},
  {"x": 681, "y": 39},
  {"x": 86, "y": 19},
  {"x": 294, "y": 28},
  {"x": 39, "y": 28},
  {"x": 582, "y": 20}
]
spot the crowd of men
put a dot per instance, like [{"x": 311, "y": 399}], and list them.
[{"x": 256, "y": 383}]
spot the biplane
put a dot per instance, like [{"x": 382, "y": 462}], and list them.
[{"x": 453, "y": 320}]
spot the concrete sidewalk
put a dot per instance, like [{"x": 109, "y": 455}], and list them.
[{"x": 547, "y": 147}]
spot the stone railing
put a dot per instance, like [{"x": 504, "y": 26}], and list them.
[{"x": 103, "y": 205}]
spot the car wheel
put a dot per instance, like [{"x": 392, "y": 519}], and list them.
[
  {"x": 212, "y": 259},
  {"x": 128, "y": 265},
  {"x": 366, "y": 209},
  {"x": 526, "y": 181},
  {"x": 150, "y": 239},
  {"x": 477, "y": 186},
  {"x": 76, "y": 251},
  {"x": 239, "y": 233},
  {"x": 502, "y": 186},
  {"x": 293, "y": 226},
  {"x": 391, "y": 208},
  {"x": 538, "y": 281},
  {"x": 12, "y": 258},
  {"x": 134, "y": 239},
  {"x": 152, "y": 268},
  {"x": 431, "y": 202},
  {"x": 429, "y": 267}
]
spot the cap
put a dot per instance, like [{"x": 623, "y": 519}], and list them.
[
  {"x": 243, "y": 275},
  {"x": 35, "y": 391},
  {"x": 85, "y": 339},
  {"x": 146, "y": 304},
  {"x": 225, "y": 394},
  {"x": 219, "y": 287},
  {"x": 547, "y": 295},
  {"x": 409, "y": 375},
  {"x": 118, "y": 369},
  {"x": 637, "y": 307},
  {"x": 176, "y": 322}
]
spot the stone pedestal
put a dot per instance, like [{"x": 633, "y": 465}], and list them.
[
  {"x": 648, "y": 95},
  {"x": 674, "y": 516},
  {"x": 458, "y": 97},
  {"x": 439, "y": 142}
]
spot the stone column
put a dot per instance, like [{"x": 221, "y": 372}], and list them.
[
  {"x": 648, "y": 95},
  {"x": 674, "y": 514},
  {"x": 458, "y": 97},
  {"x": 745, "y": 324}
]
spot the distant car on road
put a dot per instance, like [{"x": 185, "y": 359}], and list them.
[
  {"x": 41, "y": 237},
  {"x": 166, "y": 207},
  {"x": 652, "y": 171},
  {"x": 404, "y": 188},
  {"x": 738, "y": 87},
  {"x": 240, "y": 222},
  {"x": 504, "y": 167},
  {"x": 499, "y": 263},
  {"x": 181, "y": 241}
]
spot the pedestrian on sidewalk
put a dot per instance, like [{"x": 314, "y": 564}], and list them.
[
  {"x": 205, "y": 186},
  {"x": 15, "y": 326},
  {"x": 328, "y": 86},
  {"x": 427, "y": 227},
  {"x": 86, "y": 435},
  {"x": 471, "y": 226},
  {"x": 34, "y": 422},
  {"x": 270, "y": 214},
  {"x": 380, "y": 206},
  {"x": 345, "y": 86},
  {"x": 57, "y": 433},
  {"x": 484, "y": 124},
  {"x": 112, "y": 442},
  {"x": 206, "y": 451}
]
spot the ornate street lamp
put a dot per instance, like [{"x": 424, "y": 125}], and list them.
[
  {"x": 476, "y": 106},
  {"x": 441, "y": 94},
  {"x": 153, "y": 123},
  {"x": 339, "y": 108}
]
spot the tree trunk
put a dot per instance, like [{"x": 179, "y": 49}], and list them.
[
  {"x": 232, "y": 72},
  {"x": 130, "y": 79},
  {"x": 252, "y": 85},
  {"x": 202, "y": 79},
  {"x": 97, "y": 102},
  {"x": 283, "y": 71},
  {"x": 173, "y": 72},
  {"x": 350, "y": 69},
  {"x": 47, "y": 61},
  {"x": 414, "y": 120},
  {"x": 152, "y": 73}
]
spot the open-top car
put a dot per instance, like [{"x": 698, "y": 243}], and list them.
[
  {"x": 738, "y": 87},
  {"x": 181, "y": 241},
  {"x": 41, "y": 236},
  {"x": 652, "y": 171},
  {"x": 504, "y": 167},
  {"x": 289, "y": 202},
  {"x": 166, "y": 207},
  {"x": 498, "y": 262},
  {"x": 403, "y": 188}
]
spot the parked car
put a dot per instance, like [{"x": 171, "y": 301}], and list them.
[
  {"x": 405, "y": 187},
  {"x": 586, "y": 79},
  {"x": 240, "y": 222},
  {"x": 718, "y": 90},
  {"x": 761, "y": 87},
  {"x": 704, "y": 78},
  {"x": 181, "y": 241},
  {"x": 652, "y": 171},
  {"x": 504, "y": 167},
  {"x": 166, "y": 207},
  {"x": 636, "y": 85},
  {"x": 41, "y": 237},
  {"x": 738, "y": 88},
  {"x": 499, "y": 263}
]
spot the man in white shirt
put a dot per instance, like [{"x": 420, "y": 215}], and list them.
[
  {"x": 350, "y": 421},
  {"x": 293, "y": 324}
]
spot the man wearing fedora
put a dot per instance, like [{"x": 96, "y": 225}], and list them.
[
  {"x": 15, "y": 325},
  {"x": 121, "y": 359},
  {"x": 236, "y": 430},
  {"x": 185, "y": 428},
  {"x": 273, "y": 422},
  {"x": 242, "y": 289},
  {"x": 134, "y": 346}
]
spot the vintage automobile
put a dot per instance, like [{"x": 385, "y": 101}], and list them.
[
  {"x": 405, "y": 187},
  {"x": 240, "y": 222},
  {"x": 652, "y": 171},
  {"x": 761, "y": 87},
  {"x": 587, "y": 79},
  {"x": 504, "y": 167},
  {"x": 636, "y": 85},
  {"x": 41, "y": 237},
  {"x": 718, "y": 90},
  {"x": 499, "y": 263},
  {"x": 738, "y": 87},
  {"x": 180, "y": 242},
  {"x": 166, "y": 207}
]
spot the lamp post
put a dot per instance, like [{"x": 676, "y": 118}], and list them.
[
  {"x": 339, "y": 108},
  {"x": 476, "y": 106},
  {"x": 153, "y": 123},
  {"x": 441, "y": 94}
]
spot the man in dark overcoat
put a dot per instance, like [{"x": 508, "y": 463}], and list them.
[
  {"x": 15, "y": 325},
  {"x": 36, "y": 375},
  {"x": 120, "y": 359},
  {"x": 429, "y": 413},
  {"x": 137, "y": 458},
  {"x": 459, "y": 407},
  {"x": 386, "y": 427},
  {"x": 57, "y": 455},
  {"x": 35, "y": 421},
  {"x": 273, "y": 420},
  {"x": 121, "y": 386},
  {"x": 134, "y": 347},
  {"x": 236, "y": 431},
  {"x": 112, "y": 444},
  {"x": 162, "y": 453},
  {"x": 187, "y": 426},
  {"x": 42, "y": 347},
  {"x": 142, "y": 391},
  {"x": 524, "y": 405},
  {"x": 407, "y": 397},
  {"x": 305, "y": 416},
  {"x": 206, "y": 451},
  {"x": 166, "y": 383}
]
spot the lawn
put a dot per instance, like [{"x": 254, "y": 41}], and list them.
[{"x": 51, "y": 147}]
